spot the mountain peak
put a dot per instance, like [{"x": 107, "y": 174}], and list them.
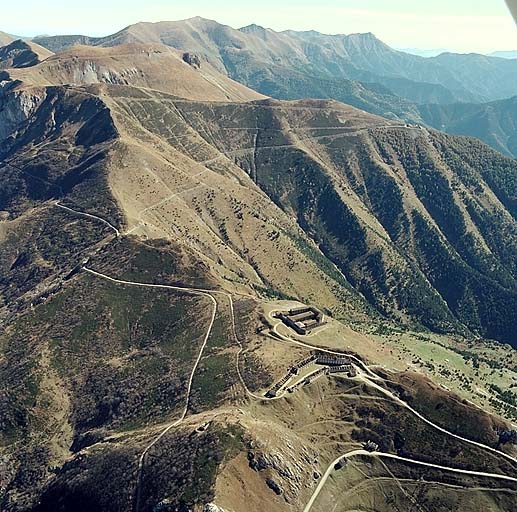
[
  {"x": 365, "y": 36},
  {"x": 199, "y": 20},
  {"x": 255, "y": 29}
]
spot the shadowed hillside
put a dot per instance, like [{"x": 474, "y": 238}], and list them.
[
  {"x": 21, "y": 54},
  {"x": 494, "y": 123}
]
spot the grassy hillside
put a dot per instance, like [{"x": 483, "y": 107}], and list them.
[
  {"x": 403, "y": 212},
  {"x": 151, "y": 66}
]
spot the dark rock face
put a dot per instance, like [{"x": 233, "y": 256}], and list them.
[
  {"x": 17, "y": 54},
  {"x": 274, "y": 486},
  {"x": 508, "y": 436},
  {"x": 192, "y": 60},
  {"x": 22, "y": 259},
  {"x": 257, "y": 462}
]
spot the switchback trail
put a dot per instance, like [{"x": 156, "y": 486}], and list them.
[
  {"x": 434, "y": 425},
  {"x": 368, "y": 376},
  {"x": 196, "y": 291},
  {"x": 366, "y": 453},
  {"x": 90, "y": 216},
  {"x": 177, "y": 288},
  {"x": 184, "y": 412}
]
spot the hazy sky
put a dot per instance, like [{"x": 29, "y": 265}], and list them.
[{"x": 461, "y": 25}]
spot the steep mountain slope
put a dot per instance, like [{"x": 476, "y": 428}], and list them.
[
  {"x": 104, "y": 369},
  {"x": 150, "y": 66},
  {"x": 364, "y": 57},
  {"x": 433, "y": 255},
  {"x": 324, "y": 174},
  {"x": 494, "y": 123},
  {"x": 22, "y": 54},
  {"x": 484, "y": 74}
]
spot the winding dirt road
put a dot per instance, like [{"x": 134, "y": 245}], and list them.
[
  {"x": 392, "y": 456},
  {"x": 90, "y": 216},
  {"x": 365, "y": 375},
  {"x": 204, "y": 293},
  {"x": 429, "y": 422}
]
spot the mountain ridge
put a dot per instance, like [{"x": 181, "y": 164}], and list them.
[
  {"x": 376, "y": 150},
  {"x": 358, "y": 69},
  {"x": 146, "y": 65},
  {"x": 407, "y": 66}
]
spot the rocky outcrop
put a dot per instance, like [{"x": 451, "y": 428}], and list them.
[
  {"x": 191, "y": 60},
  {"x": 16, "y": 107},
  {"x": 212, "y": 507},
  {"x": 18, "y": 54},
  {"x": 284, "y": 473},
  {"x": 93, "y": 72}
]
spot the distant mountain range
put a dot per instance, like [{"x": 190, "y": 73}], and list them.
[
  {"x": 245, "y": 53},
  {"x": 495, "y": 122},
  {"x": 505, "y": 54},
  {"x": 357, "y": 69},
  {"x": 424, "y": 53},
  {"x": 511, "y": 54}
]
